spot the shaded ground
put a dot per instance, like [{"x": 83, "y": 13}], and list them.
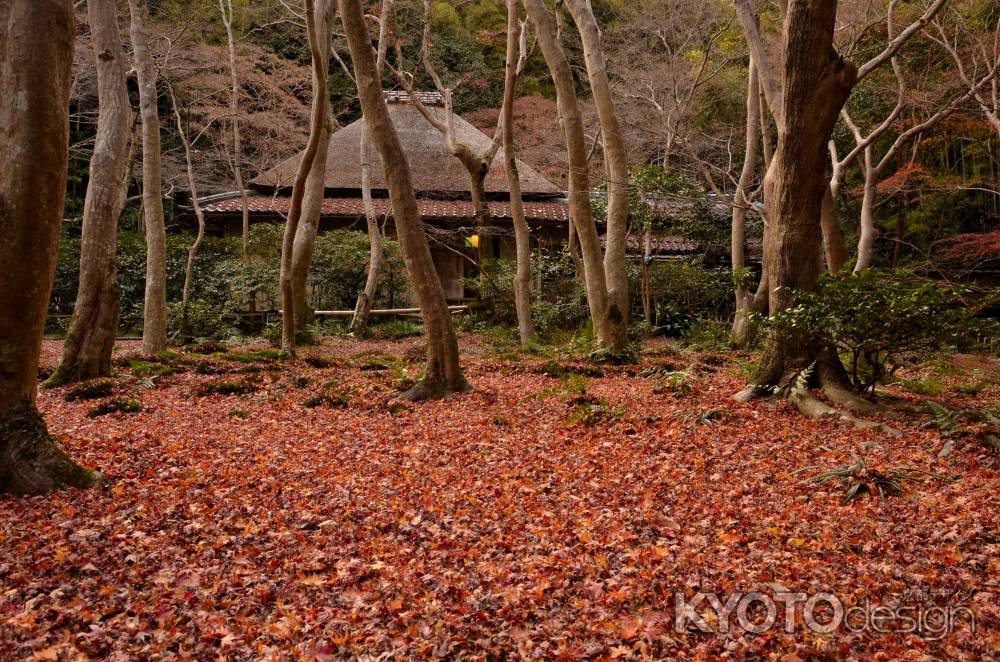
[{"x": 541, "y": 516}]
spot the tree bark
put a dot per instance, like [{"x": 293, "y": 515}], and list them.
[
  {"x": 522, "y": 233},
  {"x": 315, "y": 193},
  {"x": 868, "y": 234},
  {"x": 443, "y": 373},
  {"x": 815, "y": 84},
  {"x": 616, "y": 164},
  {"x": 366, "y": 297},
  {"x": 744, "y": 298},
  {"x": 199, "y": 214},
  {"x": 579, "y": 184},
  {"x": 320, "y": 115},
  {"x": 154, "y": 324},
  {"x": 36, "y": 62},
  {"x": 226, "y": 10},
  {"x": 91, "y": 338}
]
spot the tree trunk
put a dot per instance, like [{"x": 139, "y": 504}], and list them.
[
  {"x": 154, "y": 323},
  {"x": 744, "y": 299},
  {"x": 443, "y": 373},
  {"x": 36, "y": 62},
  {"x": 199, "y": 214},
  {"x": 579, "y": 184},
  {"x": 366, "y": 297},
  {"x": 866, "y": 239},
  {"x": 91, "y": 338},
  {"x": 522, "y": 234},
  {"x": 363, "y": 308},
  {"x": 315, "y": 193},
  {"x": 616, "y": 164},
  {"x": 320, "y": 115},
  {"x": 834, "y": 248},
  {"x": 815, "y": 84},
  {"x": 226, "y": 10}
]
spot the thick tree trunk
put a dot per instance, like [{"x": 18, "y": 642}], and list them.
[
  {"x": 579, "y": 184},
  {"x": 815, "y": 84},
  {"x": 443, "y": 373},
  {"x": 91, "y": 337},
  {"x": 616, "y": 164},
  {"x": 315, "y": 193},
  {"x": 320, "y": 115},
  {"x": 36, "y": 61},
  {"x": 744, "y": 298},
  {"x": 522, "y": 234},
  {"x": 154, "y": 323}
]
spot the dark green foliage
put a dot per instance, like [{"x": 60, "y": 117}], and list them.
[
  {"x": 91, "y": 390},
  {"x": 239, "y": 413},
  {"x": 684, "y": 291},
  {"x": 874, "y": 318},
  {"x": 556, "y": 369},
  {"x": 227, "y": 387},
  {"x": 116, "y": 406}
]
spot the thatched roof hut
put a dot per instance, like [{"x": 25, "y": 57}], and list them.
[{"x": 435, "y": 172}]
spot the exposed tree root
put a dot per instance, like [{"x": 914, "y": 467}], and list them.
[
  {"x": 811, "y": 406},
  {"x": 432, "y": 390},
  {"x": 31, "y": 462}
]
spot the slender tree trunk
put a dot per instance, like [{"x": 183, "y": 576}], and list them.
[
  {"x": 815, "y": 84},
  {"x": 199, "y": 214},
  {"x": 226, "y": 10},
  {"x": 647, "y": 275},
  {"x": 866, "y": 240},
  {"x": 834, "y": 248},
  {"x": 744, "y": 297},
  {"x": 579, "y": 184},
  {"x": 616, "y": 164},
  {"x": 522, "y": 234},
  {"x": 320, "y": 115},
  {"x": 36, "y": 62},
  {"x": 154, "y": 326},
  {"x": 363, "y": 308},
  {"x": 315, "y": 193},
  {"x": 366, "y": 297},
  {"x": 443, "y": 373},
  {"x": 91, "y": 338}
]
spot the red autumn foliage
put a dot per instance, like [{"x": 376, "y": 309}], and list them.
[{"x": 492, "y": 525}]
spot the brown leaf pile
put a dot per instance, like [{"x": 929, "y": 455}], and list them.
[{"x": 490, "y": 525}]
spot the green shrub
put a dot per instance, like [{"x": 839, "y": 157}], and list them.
[{"x": 875, "y": 318}]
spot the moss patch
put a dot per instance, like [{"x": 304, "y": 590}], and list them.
[
  {"x": 91, "y": 390},
  {"x": 116, "y": 406}
]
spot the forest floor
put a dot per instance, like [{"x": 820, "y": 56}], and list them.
[{"x": 260, "y": 508}]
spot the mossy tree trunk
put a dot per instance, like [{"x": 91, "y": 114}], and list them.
[{"x": 36, "y": 61}]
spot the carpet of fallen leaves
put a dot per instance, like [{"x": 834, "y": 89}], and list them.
[{"x": 540, "y": 516}]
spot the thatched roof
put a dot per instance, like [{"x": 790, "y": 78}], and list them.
[
  {"x": 430, "y": 209},
  {"x": 434, "y": 169}
]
